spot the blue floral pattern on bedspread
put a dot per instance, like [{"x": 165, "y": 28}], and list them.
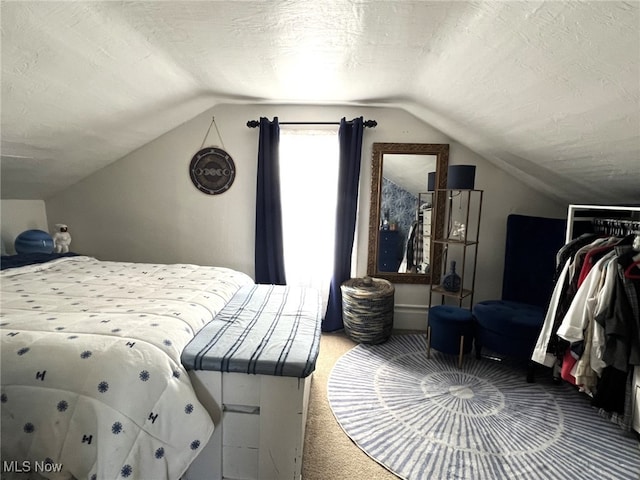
[{"x": 91, "y": 372}]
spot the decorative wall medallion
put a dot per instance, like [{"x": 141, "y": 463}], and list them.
[{"x": 212, "y": 170}]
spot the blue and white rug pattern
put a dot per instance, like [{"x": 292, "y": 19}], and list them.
[{"x": 426, "y": 419}]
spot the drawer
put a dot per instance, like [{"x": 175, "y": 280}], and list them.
[
  {"x": 241, "y": 430},
  {"x": 240, "y": 445},
  {"x": 240, "y": 463}
]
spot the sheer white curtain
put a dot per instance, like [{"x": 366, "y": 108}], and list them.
[{"x": 308, "y": 184}]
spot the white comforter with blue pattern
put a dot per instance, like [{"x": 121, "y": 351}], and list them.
[{"x": 92, "y": 383}]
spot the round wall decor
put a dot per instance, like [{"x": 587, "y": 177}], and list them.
[{"x": 212, "y": 170}]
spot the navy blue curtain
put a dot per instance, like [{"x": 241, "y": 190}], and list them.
[
  {"x": 269, "y": 256},
  {"x": 350, "y": 135}
]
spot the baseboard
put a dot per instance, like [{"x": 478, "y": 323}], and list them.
[{"x": 410, "y": 317}]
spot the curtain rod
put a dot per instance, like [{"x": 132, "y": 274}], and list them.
[{"x": 366, "y": 123}]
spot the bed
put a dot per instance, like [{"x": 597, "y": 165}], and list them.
[{"x": 93, "y": 381}]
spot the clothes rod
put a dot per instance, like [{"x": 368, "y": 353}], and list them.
[{"x": 366, "y": 123}]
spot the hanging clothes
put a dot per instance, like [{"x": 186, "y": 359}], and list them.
[
  {"x": 409, "y": 261},
  {"x": 592, "y": 326},
  {"x": 577, "y": 326},
  {"x": 549, "y": 346},
  {"x": 631, "y": 286},
  {"x": 414, "y": 252}
]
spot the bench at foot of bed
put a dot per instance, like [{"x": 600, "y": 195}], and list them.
[
  {"x": 260, "y": 424},
  {"x": 251, "y": 368}
]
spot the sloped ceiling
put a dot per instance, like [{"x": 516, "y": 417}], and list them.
[{"x": 549, "y": 91}]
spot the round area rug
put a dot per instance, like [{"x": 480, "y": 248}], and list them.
[{"x": 427, "y": 419}]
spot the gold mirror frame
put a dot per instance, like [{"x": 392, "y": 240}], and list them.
[{"x": 441, "y": 151}]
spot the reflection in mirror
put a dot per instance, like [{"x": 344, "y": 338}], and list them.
[
  {"x": 406, "y": 208},
  {"x": 403, "y": 217}
]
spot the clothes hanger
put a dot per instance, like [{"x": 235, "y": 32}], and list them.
[
  {"x": 636, "y": 260},
  {"x": 628, "y": 272}
]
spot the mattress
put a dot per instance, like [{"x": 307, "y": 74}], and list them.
[
  {"x": 264, "y": 329},
  {"x": 92, "y": 383}
]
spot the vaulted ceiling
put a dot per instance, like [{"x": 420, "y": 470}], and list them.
[{"x": 549, "y": 91}]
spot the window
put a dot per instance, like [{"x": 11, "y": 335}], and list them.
[{"x": 308, "y": 182}]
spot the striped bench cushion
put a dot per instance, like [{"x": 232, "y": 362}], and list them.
[{"x": 264, "y": 329}]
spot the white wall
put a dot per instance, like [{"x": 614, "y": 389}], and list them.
[
  {"x": 16, "y": 216},
  {"x": 145, "y": 208}
]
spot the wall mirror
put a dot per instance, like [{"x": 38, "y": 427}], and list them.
[{"x": 405, "y": 216}]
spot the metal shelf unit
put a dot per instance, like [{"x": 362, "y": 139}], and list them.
[{"x": 469, "y": 212}]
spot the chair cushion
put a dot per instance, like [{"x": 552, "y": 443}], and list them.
[
  {"x": 509, "y": 319},
  {"x": 448, "y": 324},
  {"x": 455, "y": 317}
]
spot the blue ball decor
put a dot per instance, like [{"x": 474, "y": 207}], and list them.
[{"x": 34, "y": 241}]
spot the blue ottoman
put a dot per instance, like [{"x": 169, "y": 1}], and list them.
[
  {"x": 509, "y": 328},
  {"x": 450, "y": 330}
]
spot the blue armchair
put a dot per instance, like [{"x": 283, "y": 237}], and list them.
[{"x": 511, "y": 326}]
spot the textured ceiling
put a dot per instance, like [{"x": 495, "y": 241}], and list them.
[{"x": 549, "y": 91}]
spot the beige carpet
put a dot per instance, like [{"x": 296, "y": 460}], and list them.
[{"x": 329, "y": 454}]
